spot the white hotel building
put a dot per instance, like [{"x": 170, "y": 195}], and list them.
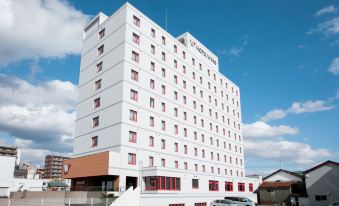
[{"x": 155, "y": 112}]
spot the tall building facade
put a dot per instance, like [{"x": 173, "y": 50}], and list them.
[
  {"x": 155, "y": 112},
  {"x": 53, "y": 166}
]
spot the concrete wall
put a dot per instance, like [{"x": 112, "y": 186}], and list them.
[{"x": 275, "y": 196}]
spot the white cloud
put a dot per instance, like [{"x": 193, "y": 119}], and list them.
[
  {"x": 235, "y": 51},
  {"x": 39, "y": 117},
  {"x": 298, "y": 108},
  {"x": 326, "y": 10},
  {"x": 261, "y": 129},
  {"x": 334, "y": 68},
  {"x": 327, "y": 28},
  {"x": 287, "y": 151},
  {"x": 34, "y": 29}
]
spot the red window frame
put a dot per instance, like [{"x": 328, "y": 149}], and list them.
[
  {"x": 132, "y": 158},
  {"x": 241, "y": 187},
  {"x": 134, "y": 75},
  {"x": 200, "y": 204},
  {"x": 250, "y": 187},
  {"x": 229, "y": 186},
  {"x": 133, "y": 115},
  {"x": 135, "y": 56},
  {"x": 162, "y": 183},
  {"x": 134, "y": 95},
  {"x": 213, "y": 185},
  {"x": 132, "y": 137}
]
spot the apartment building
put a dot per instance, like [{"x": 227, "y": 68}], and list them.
[
  {"x": 53, "y": 166},
  {"x": 155, "y": 112}
]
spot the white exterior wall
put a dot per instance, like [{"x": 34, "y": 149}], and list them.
[
  {"x": 114, "y": 123},
  {"x": 283, "y": 177},
  {"x": 323, "y": 181}
]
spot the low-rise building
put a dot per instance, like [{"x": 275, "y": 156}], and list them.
[{"x": 322, "y": 183}]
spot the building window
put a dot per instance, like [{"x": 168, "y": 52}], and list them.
[
  {"x": 152, "y": 84},
  {"x": 99, "y": 67},
  {"x": 152, "y": 66},
  {"x": 100, "y": 50},
  {"x": 195, "y": 151},
  {"x": 175, "y": 62},
  {"x": 185, "y": 149},
  {"x": 250, "y": 187},
  {"x": 185, "y": 166},
  {"x": 136, "y": 38},
  {"x": 163, "y": 56},
  {"x": 134, "y": 95},
  {"x": 132, "y": 137},
  {"x": 200, "y": 204},
  {"x": 163, "y": 162},
  {"x": 163, "y": 89},
  {"x": 176, "y": 147},
  {"x": 176, "y": 130},
  {"x": 213, "y": 185},
  {"x": 184, "y": 54},
  {"x": 162, "y": 183},
  {"x": 97, "y": 85},
  {"x": 96, "y": 103},
  {"x": 320, "y": 197},
  {"x": 176, "y": 112},
  {"x": 195, "y": 183},
  {"x": 229, "y": 186},
  {"x": 134, "y": 75},
  {"x": 241, "y": 187},
  {"x": 163, "y": 144},
  {"x": 152, "y": 49},
  {"x": 153, "y": 33},
  {"x": 193, "y": 61},
  {"x": 94, "y": 141},
  {"x": 175, "y": 79},
  {"x": 133, "y": 115},
  {"x": 176, "y": 164},
  {"x": 95, "y": 122},
  {"x": 101, "y": 33},
  {"x": 163, "y": 40},
  {"x": 163, "y": 72},
  {"x": 131, "y": 158},
  {"x": 136, "y": 21},
  {"x": 150, "y": 161},
  {"x": 151, "y": 102},
  {"x": 151, "y": 141},
  {"x": 163, "y": 107},
  {"x": 135, "y": 56},
  {"x": 175, "y": 48},
  {"x": 151, "y": 121},
  {"x": 163, "y": 125}
]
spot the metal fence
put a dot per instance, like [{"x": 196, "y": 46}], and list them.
[{"x": 57, "y": 201}]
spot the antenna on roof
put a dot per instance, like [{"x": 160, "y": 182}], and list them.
[{"x": 166, "y": 20}]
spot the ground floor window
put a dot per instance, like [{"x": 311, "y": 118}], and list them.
[
  {"x": 250, "y": 187},
  {"x": 162, "y": 183},
  {"x": 200, "y": 204},
  {"x": 241, "y": 187},
  {"x": 213, "y": 185},
  {"x": 320, "y": 197},
  {"x": 195, "y": 183},
  {"x": 229, "y": 186}
]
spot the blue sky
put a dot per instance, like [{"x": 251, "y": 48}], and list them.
[{"x": 284, "y": 55}]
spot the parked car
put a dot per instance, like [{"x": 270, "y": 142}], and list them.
[
  {"x": 334, "y": 204},
  {"x": 243, "y": 201},
  {"x": 223, "y": 203}
]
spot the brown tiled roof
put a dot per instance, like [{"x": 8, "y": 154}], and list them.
[{"x": 276, "y": 184}]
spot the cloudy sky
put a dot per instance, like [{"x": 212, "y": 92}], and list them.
[{"x": 284, "y": 55}]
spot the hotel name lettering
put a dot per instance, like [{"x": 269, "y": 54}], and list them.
[{"x": 203, "y": 52}]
